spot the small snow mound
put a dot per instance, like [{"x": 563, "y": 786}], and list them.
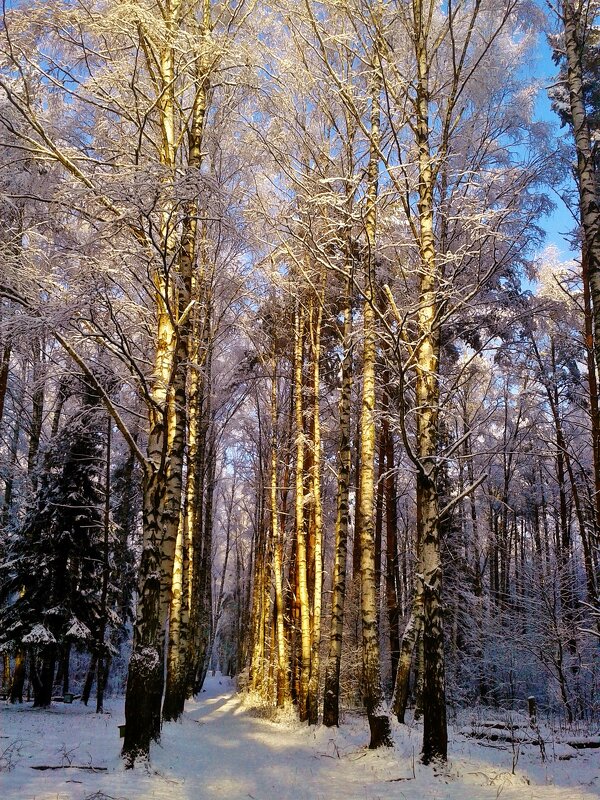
[
  {"x": 563, "y": 752},
  {"x": 585, "y": 743}
]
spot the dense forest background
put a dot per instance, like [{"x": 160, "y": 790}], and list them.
[{"x": 290, "y": 385}]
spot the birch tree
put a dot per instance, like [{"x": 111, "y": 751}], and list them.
[
  {"x": 444, "y": 52},
  {"x": 154, "y": 79}
]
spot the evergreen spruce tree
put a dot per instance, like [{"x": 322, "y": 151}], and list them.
[{"x": 49, "y": 582}]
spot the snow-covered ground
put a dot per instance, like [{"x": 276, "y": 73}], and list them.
[{"x": 225, "y": 748}]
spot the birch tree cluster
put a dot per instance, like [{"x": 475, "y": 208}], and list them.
[{"x": 290, "y": 384}]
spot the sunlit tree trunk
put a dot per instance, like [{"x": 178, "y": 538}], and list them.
[
  {"x": 281, "y": 680},
  {"x": 176, "y": 667},
  {"x": 379, "y": 723},
  {"x": 260, "y": 589},
  {"x": 303, "y": 598},
  {"x": 316, "y": 522},
  {"x": 192, "y": 544}
]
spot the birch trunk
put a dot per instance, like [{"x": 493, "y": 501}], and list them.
[
  {"x": 162, "y": 483},
  {"x": 379, "y": 722},
  {"x": 412, "y": 632},
  {"x": 259, "y": 594},
  {"x": 331, "y": 699},
  {"x": 177, "y": 667},
  {"x": 435, "y": 738},
  {"x": 316, "y": 548}
]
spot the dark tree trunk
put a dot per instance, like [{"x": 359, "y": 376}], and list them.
[
  {"x": 18, "y": 681},
  {"x": 103, "y": 657},
  {"x": 103, "y": 672},
  {"x": 89, "y": 679},
  {"x": 145, "y": 677},
  {"x": 65, "y": 666},
  {"x": 42, "y": 679},
  {"x": 392, "y": 576},
  {"x": 331, "y": 697},
  {"x": 411, "y": 635},
  {"x": 5, "y": 671},
  {"x": 4, "y": 364}
]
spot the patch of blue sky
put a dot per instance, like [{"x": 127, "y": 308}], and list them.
[{"x": 560, "y": 224}]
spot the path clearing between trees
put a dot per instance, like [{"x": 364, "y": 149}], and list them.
[{"x": 227, "y": 749}]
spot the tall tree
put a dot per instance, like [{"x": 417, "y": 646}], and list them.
[{"x": 576, "y": 49}]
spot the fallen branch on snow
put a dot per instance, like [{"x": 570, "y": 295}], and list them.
[{"x": 43, "y": 767}]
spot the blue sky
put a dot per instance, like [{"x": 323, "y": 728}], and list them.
[{"x": 560, "y": 222}]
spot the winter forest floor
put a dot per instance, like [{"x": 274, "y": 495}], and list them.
[{"x": 225, "y": 748}]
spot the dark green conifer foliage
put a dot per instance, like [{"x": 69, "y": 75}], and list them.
[{"x": 49, "y": 582}]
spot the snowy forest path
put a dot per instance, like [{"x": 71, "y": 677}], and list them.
[{"x": 226, "y": 748}]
